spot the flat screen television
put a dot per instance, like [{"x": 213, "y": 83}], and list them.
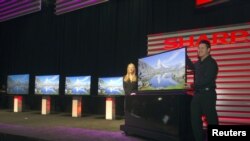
[
  {"x": 163, "y": 71},
  {"x": 110, "y": 86},
  {"x": 47, "y": 85},
  {"x": 18, "y": 84},
  {"x": 77, "y": 85}
]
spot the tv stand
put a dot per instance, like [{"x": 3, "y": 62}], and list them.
[{"x": 160, "y": 116}]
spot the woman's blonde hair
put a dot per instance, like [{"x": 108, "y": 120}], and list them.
[{"x": 127, "y": 76}]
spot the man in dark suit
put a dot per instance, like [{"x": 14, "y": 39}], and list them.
[{"x": 204, "y": 99}]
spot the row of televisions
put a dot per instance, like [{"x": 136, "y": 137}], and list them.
[
  {"x": 163, "y": 71},
  {"x": 74, "y": 85}
]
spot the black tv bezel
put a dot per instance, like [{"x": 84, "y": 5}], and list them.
[
  {"x": 164, "y": 90},
  {"x": 47, "y": 94},
  {"x": 77, "y": 94},
  {"x": 105, "y": 95},
  {"x": 21, "y": 94}
]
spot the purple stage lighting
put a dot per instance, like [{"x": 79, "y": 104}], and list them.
[
  {"x": 10, "y": 9},
  {"x": 65, "y": 6}
]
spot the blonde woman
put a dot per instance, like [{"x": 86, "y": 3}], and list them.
[{"x": 130, "y": 80}]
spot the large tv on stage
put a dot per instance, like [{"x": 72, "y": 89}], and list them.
[
  {"x": 47, "y": 85},
  {"x": 163, "y": 71},
  {"x": 77, "y": 85},
  {"x": 110, "y": 86},
  {"x": 18, "y": 84}
]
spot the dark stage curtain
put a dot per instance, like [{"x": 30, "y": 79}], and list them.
[{"x": 99, "y": 40}]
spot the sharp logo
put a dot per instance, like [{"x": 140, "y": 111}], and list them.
[{"x": 218, "y": 38}]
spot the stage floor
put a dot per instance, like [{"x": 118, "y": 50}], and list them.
[{"x": 61, "y": 127}]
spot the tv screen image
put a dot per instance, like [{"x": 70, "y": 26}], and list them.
[
  {"x": 77, "y": 85},
  {"x": 18, "y": 84},
  {"x": 164, "y": 71},
  {"x": 47, "y": 85},
  {"x": 110, "y": 86}
]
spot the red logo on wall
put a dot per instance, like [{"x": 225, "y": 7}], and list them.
[{"x": 217, "y": 38}]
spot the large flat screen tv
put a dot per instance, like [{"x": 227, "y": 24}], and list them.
[
  {"x": 163, "y": 71},
  {"x": 18, "y": 84},
  {"x": 47, "y": 85},
  {"x": 77, "y": 85},
  {"x": 110, "y": 86}
]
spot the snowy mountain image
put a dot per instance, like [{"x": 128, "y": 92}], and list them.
[
  {"x": 110, "y": 86},
  {"x": 162, "y": 71},
  {"x": 78, "y": 85},
  {"x": 47, "y": 84}
]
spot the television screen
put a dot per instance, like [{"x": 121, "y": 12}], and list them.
[
  {"x": 18, "y": 84},
  {"x": 110, "y": 86},
  {"x": 77, "y": 85},
  {"x": 47, "y": 85},
  {"x": 164, "y": 71}
]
